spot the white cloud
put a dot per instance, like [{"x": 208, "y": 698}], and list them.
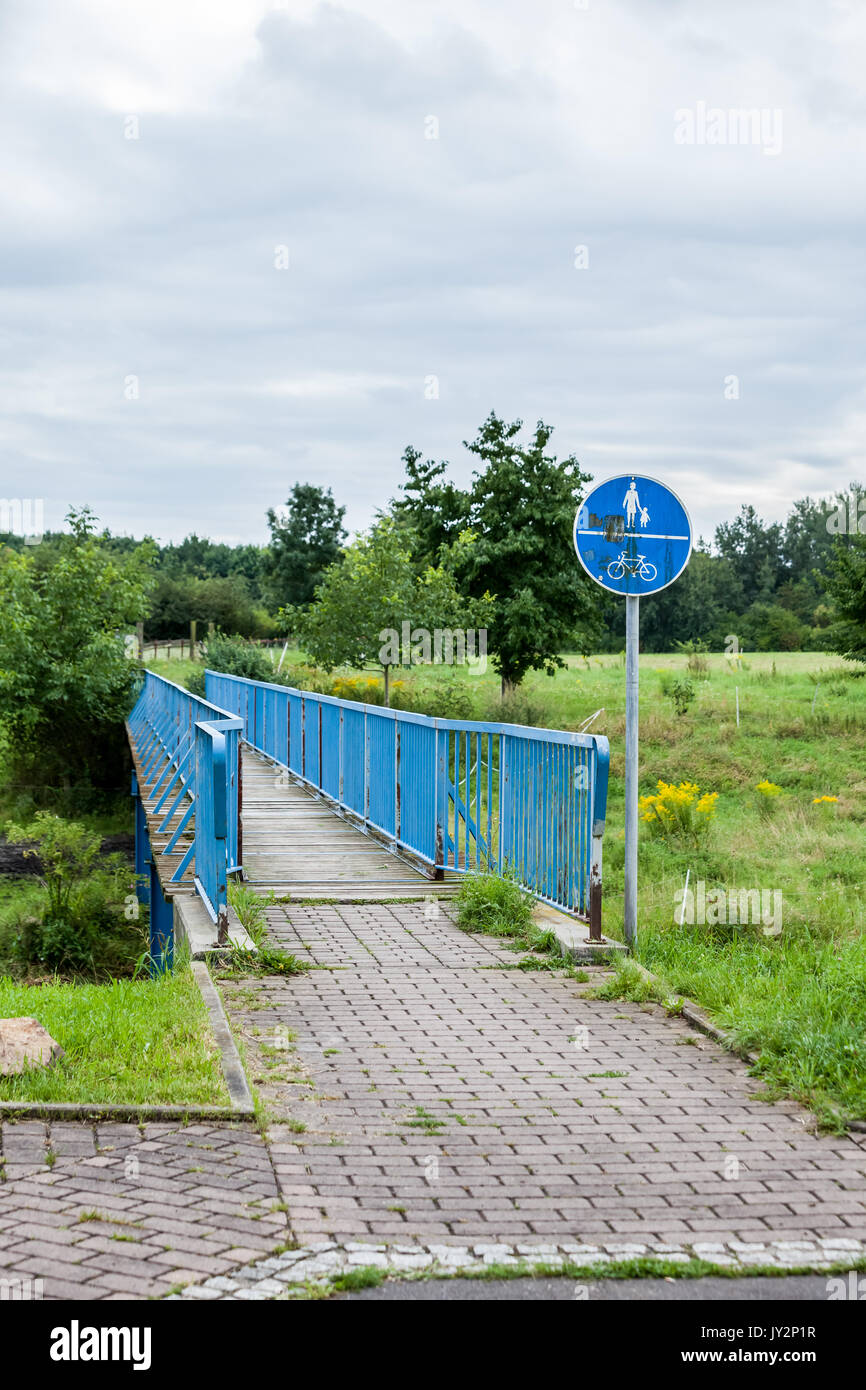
[{"x": 304, "y": 125}]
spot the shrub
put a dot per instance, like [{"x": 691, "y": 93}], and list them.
[
  {"x": 768, "y": 794},
  {"x": 223, "y": 600},
  {"x": 682, "y": 694},
  {"x": 678, "y": 813},
  {"x": 517, "y": 707},
  {"x": 66, "y": 683},
  {"x": 697, "y": 663},
  {"x": 234, "y": 656},
  {"x": 83, "y": 925}
]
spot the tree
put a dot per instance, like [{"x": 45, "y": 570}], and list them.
[
  {"x": 374, "y": 597},
  {"x": 66, "y": 683},
  {"x": 305, "y": 541},
  {"x": 435, "y": 512},
  {"x": 225, "y": 602},
  {"x": 520, "y": 508},
  {"x": 699, "y": 607},
  {"x": 754, "y": 552},
  {"x": 846, "y": 586},
  {"x": 771, "y": 628},
  {"x": 196, "y": 557}
]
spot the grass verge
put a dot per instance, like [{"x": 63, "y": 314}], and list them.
[
  {"x": 641, "y": 1267},
  {"x": 128, "y": 1042}
]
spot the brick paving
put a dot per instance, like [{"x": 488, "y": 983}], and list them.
[
  {"x": 111, "y": 1210},
  {"x": 424, "y": 1096},
  {"x": 458, "y": 1100}
]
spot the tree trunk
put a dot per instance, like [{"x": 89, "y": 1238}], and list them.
[
  {"x": 387, "y": 670},
  {"x": 507, "y": 687}
]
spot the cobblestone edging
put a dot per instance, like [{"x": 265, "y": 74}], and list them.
[{"x": 294, "y": 1273}]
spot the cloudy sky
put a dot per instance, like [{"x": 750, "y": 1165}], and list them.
[{"x": 243, "y": 245}]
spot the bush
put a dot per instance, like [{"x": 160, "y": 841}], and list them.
[
  {"x": 220, "y": 599},
  {"x": 683, "y": 695},
  {"x": 517, "y": 707},
  {"x": 83, "y": 923},
  {"x": 771, "y": 628},
  {"x": 697, "y": 664},
  {"x": 678, "y": 814},
  {"x": 234, "y": 656}
]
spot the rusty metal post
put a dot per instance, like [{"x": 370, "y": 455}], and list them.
[{"x": 595, "y": 890}]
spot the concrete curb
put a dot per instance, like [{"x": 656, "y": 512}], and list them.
[
  {"x": 242, "y": 1105},
  {"x": 126, "y": 1114},
  {"x": 700, "y": 1021},
  {"x": 193, "y": 926},
  {"x": 233, "y": 1071},
  {"x": 296, "y": 1272},
  {"x": 573, "y": 937}
]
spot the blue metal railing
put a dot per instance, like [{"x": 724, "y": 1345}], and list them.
[
  {"x": 458, "y": 795},
  {"x": 191, "y": 747}
]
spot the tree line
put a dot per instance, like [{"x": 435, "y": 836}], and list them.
[{"x": 496, "y": 554}]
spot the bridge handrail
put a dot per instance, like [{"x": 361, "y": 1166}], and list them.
[
  {"x": 533, "y": 802},
  {"x": 192, "y": 744}
]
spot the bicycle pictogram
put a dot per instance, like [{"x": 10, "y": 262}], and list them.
[{"x": 633, "y": 564}]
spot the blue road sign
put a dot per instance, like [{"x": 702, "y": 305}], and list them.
[{"x": 633, "y": 535}]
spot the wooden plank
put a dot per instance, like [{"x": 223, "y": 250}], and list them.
[{"x": 301, "y": 844}]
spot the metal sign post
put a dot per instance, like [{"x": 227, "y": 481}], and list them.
[
  {"x": 632, "y": 723},
  {"x": 633, "y": 536}
]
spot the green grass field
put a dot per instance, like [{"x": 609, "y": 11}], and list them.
[
  {"x": 128, "y": 1042},
  {"x": 799, "y": 997}
]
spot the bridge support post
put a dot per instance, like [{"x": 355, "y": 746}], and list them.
[
  {"x": 142, "y": 848},
  {"x": 161, "y": 927}
]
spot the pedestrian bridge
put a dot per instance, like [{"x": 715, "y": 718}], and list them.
[{"x": 312, "y": 797}]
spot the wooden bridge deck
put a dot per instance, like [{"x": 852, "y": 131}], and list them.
[
  {"x": 292, "y": 842},
  {"x": 298, "y": 844}
]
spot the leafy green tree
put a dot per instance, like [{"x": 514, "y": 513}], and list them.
[
  {"x": 66, "y": 683},
  {"x": 305, "y": 541},
  {"x": 520, "y": 508},
  {"x": 846, "y": 587},
  {"x": 434, "y": 511},
  {"x": 754, "y": 553},
  {"x": 698, "y": 607},
  {"x": 367, "y": 597},
  {"x": 225, "y": 602},
  {"x": 197, "y": 557},
  {"x": 769, "y": 627}
]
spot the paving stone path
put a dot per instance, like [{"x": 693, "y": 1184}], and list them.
[{"x": 432, "y": 1108}]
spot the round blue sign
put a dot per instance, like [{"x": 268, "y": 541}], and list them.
[{"x": 633, "y": 535}]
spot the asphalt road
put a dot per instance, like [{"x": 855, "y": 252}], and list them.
[{"x": 793, "y": 1288}]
